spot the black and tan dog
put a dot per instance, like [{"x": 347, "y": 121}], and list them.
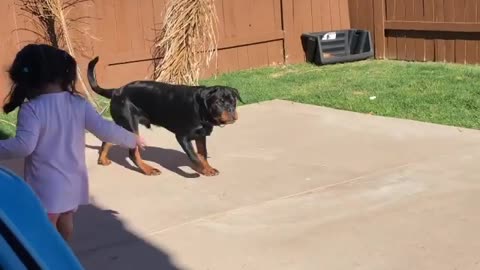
[{"x": 190, "y": 112}]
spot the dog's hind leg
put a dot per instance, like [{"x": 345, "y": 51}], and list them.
[
  {"x": 103, "y": 157},
  {"x": 145, "y": 168},
  {"x": 129, "y": 117},
  {"x": 140, "y": 118}
]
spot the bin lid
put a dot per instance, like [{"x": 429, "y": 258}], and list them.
[{"x": 26, "y": 235}]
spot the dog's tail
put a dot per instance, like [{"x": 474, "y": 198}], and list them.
[{"x": 92, "y": 80}]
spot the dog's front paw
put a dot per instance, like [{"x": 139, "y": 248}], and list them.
[
  {"x": 209, "y": 171},
  {"x": 152, "y": 172},
  {"x": 104, "y": 161}
]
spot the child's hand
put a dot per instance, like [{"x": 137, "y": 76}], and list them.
[{"x": 141, "y": 142}]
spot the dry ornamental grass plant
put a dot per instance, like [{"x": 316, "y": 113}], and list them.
[
  {"x": 54, "y": 25},
  {"x": 187, "y": 41}
]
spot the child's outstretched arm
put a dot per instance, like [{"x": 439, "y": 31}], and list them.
[
  {"x": 25, "y": 140},
  {"x": 108, "y": 131}
]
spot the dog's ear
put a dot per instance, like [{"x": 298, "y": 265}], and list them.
[
  {"x": 236, "y": 94},
  {"x": 205, "y": 95},
  {"x": 208, "y": 92},
  {"x": 212, "y": 91}
]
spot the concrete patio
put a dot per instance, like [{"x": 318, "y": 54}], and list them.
[{"x": 301, "y": 187}]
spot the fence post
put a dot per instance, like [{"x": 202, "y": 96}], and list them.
[
  {"x": 379, "y": 32},
  {"x": 288, "y": 30}
]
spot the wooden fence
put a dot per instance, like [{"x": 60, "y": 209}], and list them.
[
  {"x": 252, "y": 33},
  {"x": 421, "y": 30}
]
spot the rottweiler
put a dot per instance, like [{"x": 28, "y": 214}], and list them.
[{"x": 190, "y": 112}]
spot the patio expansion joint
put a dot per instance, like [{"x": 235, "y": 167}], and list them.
[
  {"x": 313, "y": 190},
  {"x": 86, "y": 252},
  {"x": 285, "y": 197}
]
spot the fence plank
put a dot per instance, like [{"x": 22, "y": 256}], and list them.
[
  {"x": 318, "y": 8},
  {"x": 288, "y": 28},
  {"x": 410, "y": 41},
  {"x": 471, "y": 45},
  {"x": 258, "y": 55},
  {"x": 379, "y": 15},
  {"x": 400, "y": 13},
  {"x": 429, "y": 41},
  {"x": 228, "y": 60},
  {"x": 125, "y": 29},
  {"x": 324, "y": 10},
  {"x": 252, "y": 39},
  {"x": 344, "y": 16},
  {"x": 159, "y": 11},
  {"x": 418, "y": 13},
  {"x": 275, "y": 52},
  {"x": 426, "y": 30},
  {"x": 440, "y": 43},
  {"x": 125, "y": 26},
  {"x": 8, "y": 46},
  {"x": 463, "y": 27},
  {"x": 302, "y": 14},
  {"x": 335, "y": 14},
  {"x": 221, "y": 20},
  {"x": 242, "y": 55},
  {"x": 262, "y": 16},
  {"x": 478, "y": 40},
  {"x": 391, "y": 52},
  {"x": 353, "y": 13},
  {"x": 460, "y": 44},
  {"x": 147, "y": 25},
  {"x": 449, "y": 9}
]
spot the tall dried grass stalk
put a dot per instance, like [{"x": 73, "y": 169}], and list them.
[
  {"x": 186, "y": 42},
  {"x": 54, "y": 26}
]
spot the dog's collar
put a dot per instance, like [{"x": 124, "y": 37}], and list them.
[
  {"x": 206, "y": 118},
  {"x": 207, "y": 123}
]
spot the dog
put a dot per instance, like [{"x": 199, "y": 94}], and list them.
[{"x": 189, "y": 112}]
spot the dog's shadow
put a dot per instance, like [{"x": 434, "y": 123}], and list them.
[{"x": 169, "y": 159}]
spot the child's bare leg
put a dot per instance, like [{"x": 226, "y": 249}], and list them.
[
  {"x": 53, "y": 219},
  {"x": 65, "y": 225}
]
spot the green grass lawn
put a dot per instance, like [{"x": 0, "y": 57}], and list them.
[
  {"x": 7, "y": 124},
  {"x": 438, "y": 93},
  {"x": 431, "y": 92},
  {"x": 8, "y": 121}
]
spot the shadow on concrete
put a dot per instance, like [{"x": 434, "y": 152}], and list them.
[
  {"x": 14, "y": 165},
  {"x": 101, "y": 241},
  {"x": 169, "y": 159},
  {"x": 97, "y": 231}
]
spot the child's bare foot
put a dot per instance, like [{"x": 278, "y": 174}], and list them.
[{"x": 104, "y": 161}]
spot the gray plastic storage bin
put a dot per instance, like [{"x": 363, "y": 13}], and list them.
[{"x": 331, "y": 47}]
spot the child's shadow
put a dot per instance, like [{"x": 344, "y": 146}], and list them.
[
  {"x": 169, "y": 159},
  {"x": 102, "y": 241}
]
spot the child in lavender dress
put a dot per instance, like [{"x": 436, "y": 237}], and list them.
[{"x": 51, "y": 131}]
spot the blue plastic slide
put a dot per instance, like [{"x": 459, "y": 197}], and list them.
[{"x": 27, "y": 238}]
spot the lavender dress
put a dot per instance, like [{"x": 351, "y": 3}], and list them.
[{"x": 51, "y": 136}]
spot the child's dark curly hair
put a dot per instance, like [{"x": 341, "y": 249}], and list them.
[{"x": 35, "y": 66}]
